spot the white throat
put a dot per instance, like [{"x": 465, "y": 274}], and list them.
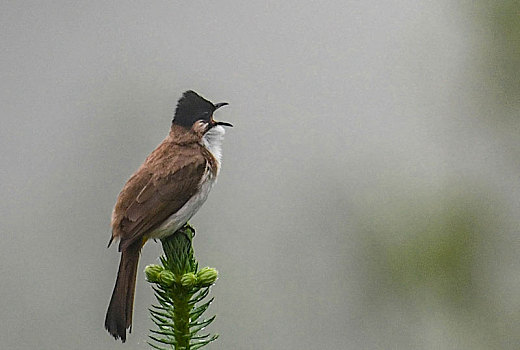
[{"x": 212, "y": 140}]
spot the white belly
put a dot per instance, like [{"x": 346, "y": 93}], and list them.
[
  {"x": 178, "y": 219},
  {"x": 212, "y": 141}
]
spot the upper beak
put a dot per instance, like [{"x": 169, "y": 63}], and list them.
[
  {"x": 217, "y": 106},
  {"x": 221, "y": 104}
]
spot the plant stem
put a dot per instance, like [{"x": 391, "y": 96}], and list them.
[{"x": 181, "y": 320}]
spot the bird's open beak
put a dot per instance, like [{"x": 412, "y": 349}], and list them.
[{"x": 217, "y": 106}]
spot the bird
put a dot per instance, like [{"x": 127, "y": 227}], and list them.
[{"x": 163, "y": 194}]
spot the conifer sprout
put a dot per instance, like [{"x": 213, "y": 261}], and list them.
[{"x": 180, "y": 289}]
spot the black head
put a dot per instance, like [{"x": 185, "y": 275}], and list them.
[{"x": 192, "y": 107}]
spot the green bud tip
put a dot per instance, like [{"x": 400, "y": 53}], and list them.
[
  {"x": 207, "y": 276},
  {"x": 152, "y": 273},
  {"x": 166, "y": 278},
  {"x": 189, "y": 280}
]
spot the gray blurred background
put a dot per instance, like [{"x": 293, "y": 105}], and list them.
[{"x": 369, "y": 194}]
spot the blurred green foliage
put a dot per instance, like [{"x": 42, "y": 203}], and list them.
[
  {"x": 498, "y": 23},
  {"x": 506, "y": 23},
  {"x": 430, "y": 247},
  {"x": 429, "y": 260},
  {"x": 438, "y": 254}
]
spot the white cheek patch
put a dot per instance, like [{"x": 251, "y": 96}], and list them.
[{"x": 200, "y": 126}]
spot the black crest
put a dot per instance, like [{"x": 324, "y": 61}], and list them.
[{"x": 192, "y": 107}]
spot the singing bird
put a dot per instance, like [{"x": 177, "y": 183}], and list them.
[{"x": 163, "y": 194}]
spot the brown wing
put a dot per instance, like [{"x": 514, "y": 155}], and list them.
[{"x": 159, "y": 188}]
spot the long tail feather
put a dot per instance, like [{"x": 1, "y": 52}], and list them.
[{"x": 119, "y": 313}]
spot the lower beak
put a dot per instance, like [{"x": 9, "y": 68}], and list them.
[{"x": 224, "y": 124}]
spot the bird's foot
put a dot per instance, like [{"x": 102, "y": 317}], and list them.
[{"x": 189, "y": 227}]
